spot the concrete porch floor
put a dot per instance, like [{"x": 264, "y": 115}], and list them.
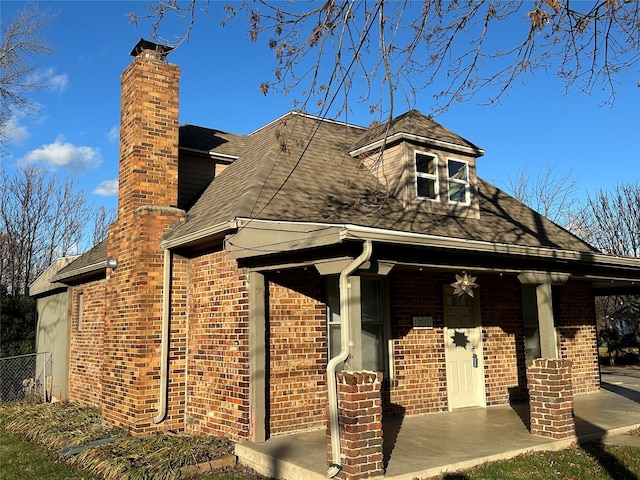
[{"x": 427, "y": 445}]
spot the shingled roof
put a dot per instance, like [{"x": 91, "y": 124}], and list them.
[
  {"x": 414, "y": 123},
  {"x": 299, "y": 169},
  {"x": 91, "y": 263}
]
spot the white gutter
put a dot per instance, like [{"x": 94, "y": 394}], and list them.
[
  {"x": 164, "y": 345},
  {"x": 345, "y": 343},
  {"x": 357, "y": 232}
]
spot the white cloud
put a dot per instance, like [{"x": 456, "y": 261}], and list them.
[
  {"x": 58, "y": 82},
  {"x": 107, "y": 188},
  {"x": 48, "y": 78},
  {"x": 64, "y": 154},
  {"x": 13, "y": 132},
  {"x": 114, "y": 134}
]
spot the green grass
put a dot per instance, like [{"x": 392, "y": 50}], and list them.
[
  {"x": 586, "y": 462},
  {"x": 20, "y": 460},
  {"x": 160, "y": 456}
]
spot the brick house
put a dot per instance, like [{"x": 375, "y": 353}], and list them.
[{"x": 244, "y": 271}]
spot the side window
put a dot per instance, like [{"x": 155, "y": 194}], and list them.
[
  {"x": 458, "y": 173},
  {"x": 333, "y": 318},
  {"x": 374, "y": 337},
  {"x": 374, "y": 322},
  {"x": 426, "y": 176}
]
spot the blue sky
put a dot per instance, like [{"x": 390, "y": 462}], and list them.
[{"x": 75, "y": 127}]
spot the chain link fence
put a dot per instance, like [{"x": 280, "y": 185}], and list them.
[{"x": 26, "y": 378}]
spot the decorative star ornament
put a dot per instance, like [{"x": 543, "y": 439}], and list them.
[
  {"x": 464, "y": 285},
  {"x": 460, "y": 339}
]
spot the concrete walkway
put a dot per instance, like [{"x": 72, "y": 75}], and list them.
[{"x": 427, "y": 445}]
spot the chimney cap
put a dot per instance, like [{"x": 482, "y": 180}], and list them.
[{"x": 143, "y": 44}]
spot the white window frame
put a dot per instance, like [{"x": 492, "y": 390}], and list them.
[
  {"x": 333, "y": 319},
  {"x": 466, "y": 183},
  {"x": 428, "y": 176}
]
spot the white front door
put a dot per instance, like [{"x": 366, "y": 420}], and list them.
[{"x": 463, "y": 351}]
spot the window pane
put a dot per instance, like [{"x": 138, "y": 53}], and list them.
[
  {"x": 372, "y": 338},
  {"x": 457, "y": 192},
  {"x": 457, "y": 170},
  {"x": 370, "y": 302},
  {"x": 425, "y": 164},
  {"x": 333, "y": 300},
  {"x": 426, "y": 188}
]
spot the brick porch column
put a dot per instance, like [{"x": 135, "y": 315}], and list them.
[
  {"x": 551, "y": 398},
  {"x": 360, "y": 418}
]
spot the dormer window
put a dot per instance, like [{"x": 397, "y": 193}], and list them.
[
  {"x": 426, "y": 175},
  {"x": 458, "y": 173}
]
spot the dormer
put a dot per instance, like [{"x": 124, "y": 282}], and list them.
[{"x": 425, "y": 166}]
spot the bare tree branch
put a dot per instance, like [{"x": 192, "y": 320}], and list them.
[
  {"x": 21, "y": 41},
  {"x": 451, "y": 50},
  {"x": 613, "y": 219},
  {"x": 548, "y": 193},
  {"x": 41, "y": 219}
]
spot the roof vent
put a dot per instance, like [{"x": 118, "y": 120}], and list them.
[{"x": 152, "y": 49}]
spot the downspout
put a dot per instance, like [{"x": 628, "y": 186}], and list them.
[
  {"x": 164, "y": 345},
  {"x": 345, "y": 341}
]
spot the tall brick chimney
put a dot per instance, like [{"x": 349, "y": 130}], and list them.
[
  {"x": 147, "y": 199},
  {"x": 148, "y": 130}
]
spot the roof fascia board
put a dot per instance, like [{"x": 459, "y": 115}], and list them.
[
  {"x": 199, "y": 235},
  {"x": 209, "y": 153},
  {"x": 94, "y": 267},
  {"x": 417, "y": 138},
  {"x": 358, "y": 232},
  {"x": 257, "y": 238}
]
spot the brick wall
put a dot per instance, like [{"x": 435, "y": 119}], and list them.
[
  {"x": 86, "y": 344},
  {"x": 217, "y": 400},
  {"x": 133, "y": 321},
  {"x": 504, "y": 361},
  {"x": 360, "y": 425},
  {"x": 418, "y": 355},
  {"x": 551, "y": 398},
  {"x": 575, "y": 321},
  {"x": 298, "y": 346}
]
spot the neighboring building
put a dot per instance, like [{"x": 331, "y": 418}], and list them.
[
  {"x": 241, "y": 265},
  {"x": 53, "y": 302}
]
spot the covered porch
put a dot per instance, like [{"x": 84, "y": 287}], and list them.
[{"x": 426, "y": 445}]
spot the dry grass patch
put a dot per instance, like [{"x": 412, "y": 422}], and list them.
[{"x": 61, "y": 425}]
